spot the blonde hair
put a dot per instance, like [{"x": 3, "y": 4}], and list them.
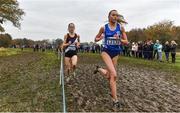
[
  {"x": 121, "y": 19},
  {"x": 167, "y": 42},
  {"x": 173, "y": 42}
]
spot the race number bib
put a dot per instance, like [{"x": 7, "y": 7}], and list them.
[
  {"x": 71, "y": 47},
  {"x": 113, "y": 41}
]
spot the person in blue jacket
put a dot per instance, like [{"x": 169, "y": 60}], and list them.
[{"x": 156, "y": 49}]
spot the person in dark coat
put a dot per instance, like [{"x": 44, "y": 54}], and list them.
[
  {"x": 140, "y": 49},
  {"x": 167, "y": 50},
  {"x": 173, "y": 51}
]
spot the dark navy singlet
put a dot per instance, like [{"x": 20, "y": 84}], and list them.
[{"x": 72, "y": 41}]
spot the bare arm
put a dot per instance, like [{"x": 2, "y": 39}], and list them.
[
  {"x": 78, "y": 39},
  {"x": 64, "y": 43},
  {"x": 99, "y": 35},
  {"x": 124, "y": 36}
]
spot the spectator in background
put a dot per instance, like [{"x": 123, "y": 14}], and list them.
[
  {"x": 148, "y": 50},
  {"x": 133, "y": 49},
  {"x": 166, "y": 49},
  {"x": 145, "y": 50},
  {"x": 136, "y": 49},
  {"x": 43, "y": 47},
  {"x": 97, "y": 48},
  {"x": 93, "y": 48},
  {"x": 128, "y": 48},
  {"x": 140, "y": 49},
  {"x": 155, "y": 49},
  {"x": 159, "y": 50},
  {"x": 22, "y": 47},
  {"x": 173, "y": 51},
  {"x": 150, "y": 44},
  {"x": 123, "y": 50}
]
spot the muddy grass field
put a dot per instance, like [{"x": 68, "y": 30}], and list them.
[{"x": 30, "y": 82}]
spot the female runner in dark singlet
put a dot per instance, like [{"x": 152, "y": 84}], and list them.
[{"x": 70, "y": 45}]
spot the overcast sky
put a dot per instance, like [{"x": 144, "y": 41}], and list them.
[{"x": 48, "y": 19}]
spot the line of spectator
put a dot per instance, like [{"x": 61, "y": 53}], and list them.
[{"x": 149, "y": 50}]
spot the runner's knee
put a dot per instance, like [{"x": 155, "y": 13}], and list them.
[
  {"x": 67, "y": 66},
  {"x": 113, "y": 74}
]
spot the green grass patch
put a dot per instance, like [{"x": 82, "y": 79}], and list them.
[
  {"x": 33, "y": 85},
  {"x": 8, "y": 52},
  {"x": 12, "y": 51}
]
